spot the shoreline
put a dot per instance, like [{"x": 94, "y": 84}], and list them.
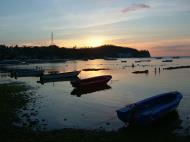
[
  {"x": 7, "y": 62},
  {"x": 21, "y": 99}
]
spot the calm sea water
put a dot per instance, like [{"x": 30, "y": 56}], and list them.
[{"x": 58, "y": 106}]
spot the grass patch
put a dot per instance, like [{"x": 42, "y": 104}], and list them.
[{"x": 12, "y": 98}]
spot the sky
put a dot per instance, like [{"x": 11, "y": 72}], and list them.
[{"x": 160, "y": 26}]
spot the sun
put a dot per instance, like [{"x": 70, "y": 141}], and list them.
[{"x": 95, "y": 41}]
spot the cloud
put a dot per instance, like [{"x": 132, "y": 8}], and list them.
[
  {"x": 177, "y": 47},
  {"x": 171, "y": 50},
  {"x": 135, "y": 7}
]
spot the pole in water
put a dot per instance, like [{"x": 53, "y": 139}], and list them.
[{"x": 155, "y": 70}]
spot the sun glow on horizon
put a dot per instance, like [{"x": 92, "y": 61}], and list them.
[{"x": 95, "y": 41}]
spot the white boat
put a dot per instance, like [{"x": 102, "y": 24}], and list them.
[{"x": 59, "y": 75}]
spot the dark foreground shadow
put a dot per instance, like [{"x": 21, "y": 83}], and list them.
[
  {"x": 163, "y": 131},
  {"x": 81, "y": 91},
  {"x": 159, "y": 131}
]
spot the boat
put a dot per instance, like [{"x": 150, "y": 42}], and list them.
[
  {"x": 110, "y": 59},
  {"x": 150, "y": 110},
  {"x": 177, "y": 67},
  {"x": 123, "y": 61},
  {"x": 148, "y": 60},
  {"x": 56, "y": 75},
  {"x": 138, "y": 72},
  {"x": 93, "y": 81},
  {"x": 167, "y": 61},
  {"x": 138, "y": 61},
  {"x": 95, "y": 69},
  {"x": 26, "y": 72},
  {"x": 43, "y": 81},
  {"x": 175, "y": 57},
  {"x": 11, "y": 62},
  {"x": 158, "y": 57},
  {"x": 87, "y": 90}
]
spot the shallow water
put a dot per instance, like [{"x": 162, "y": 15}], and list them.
[{"x": 59, "y": 106}]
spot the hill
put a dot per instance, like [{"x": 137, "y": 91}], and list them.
[{"x": 55, "y": 52}]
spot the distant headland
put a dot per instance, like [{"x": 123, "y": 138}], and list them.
[{"x": 55, "y": 52}]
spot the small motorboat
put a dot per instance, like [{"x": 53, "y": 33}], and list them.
[
  {"x": 158, "y": 57},
  {"x": 95, "y": 69},
  {"x": 43, "y": 81},
  {"x": 59, "y": 75},
  {"x": 176, "y": 57},
  {"x": 26, "y": 73},
  {"x": 138, "y": 61},
  {"x": 138, "y": 72},
  {"x": 176, "y": 67},
  {"x": 123, "y": 61},
  {"x": 93, "y": 81},
  {"x": 167, "y": 61},
  {"x": 150, "y": 110},
  {"x": 111, "y": 59},
  {"x": 148, "y": 60}
]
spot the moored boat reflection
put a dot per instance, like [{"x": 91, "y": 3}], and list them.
[{"x": 87, "y": 90}]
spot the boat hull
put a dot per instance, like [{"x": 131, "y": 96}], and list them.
[
  {"x": 94, "y": 81},
  {"x": 26, "y": 73},
  {"x": 60, "y": 75}
]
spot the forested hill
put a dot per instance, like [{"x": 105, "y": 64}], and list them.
[{"x": 55, "y": 52}]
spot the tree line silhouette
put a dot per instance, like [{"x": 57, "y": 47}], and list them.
[{"x": 55, "y": 52}]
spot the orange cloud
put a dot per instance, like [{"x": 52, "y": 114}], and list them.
[{"x": 158, "y": 47}]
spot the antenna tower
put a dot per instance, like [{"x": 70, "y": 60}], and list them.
[{"x": 52, "y": 42}]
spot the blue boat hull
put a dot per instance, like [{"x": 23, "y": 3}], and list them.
[{"x": 150, "y": 110}]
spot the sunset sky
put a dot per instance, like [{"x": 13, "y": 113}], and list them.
[{"x": 160, "y": 26}]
